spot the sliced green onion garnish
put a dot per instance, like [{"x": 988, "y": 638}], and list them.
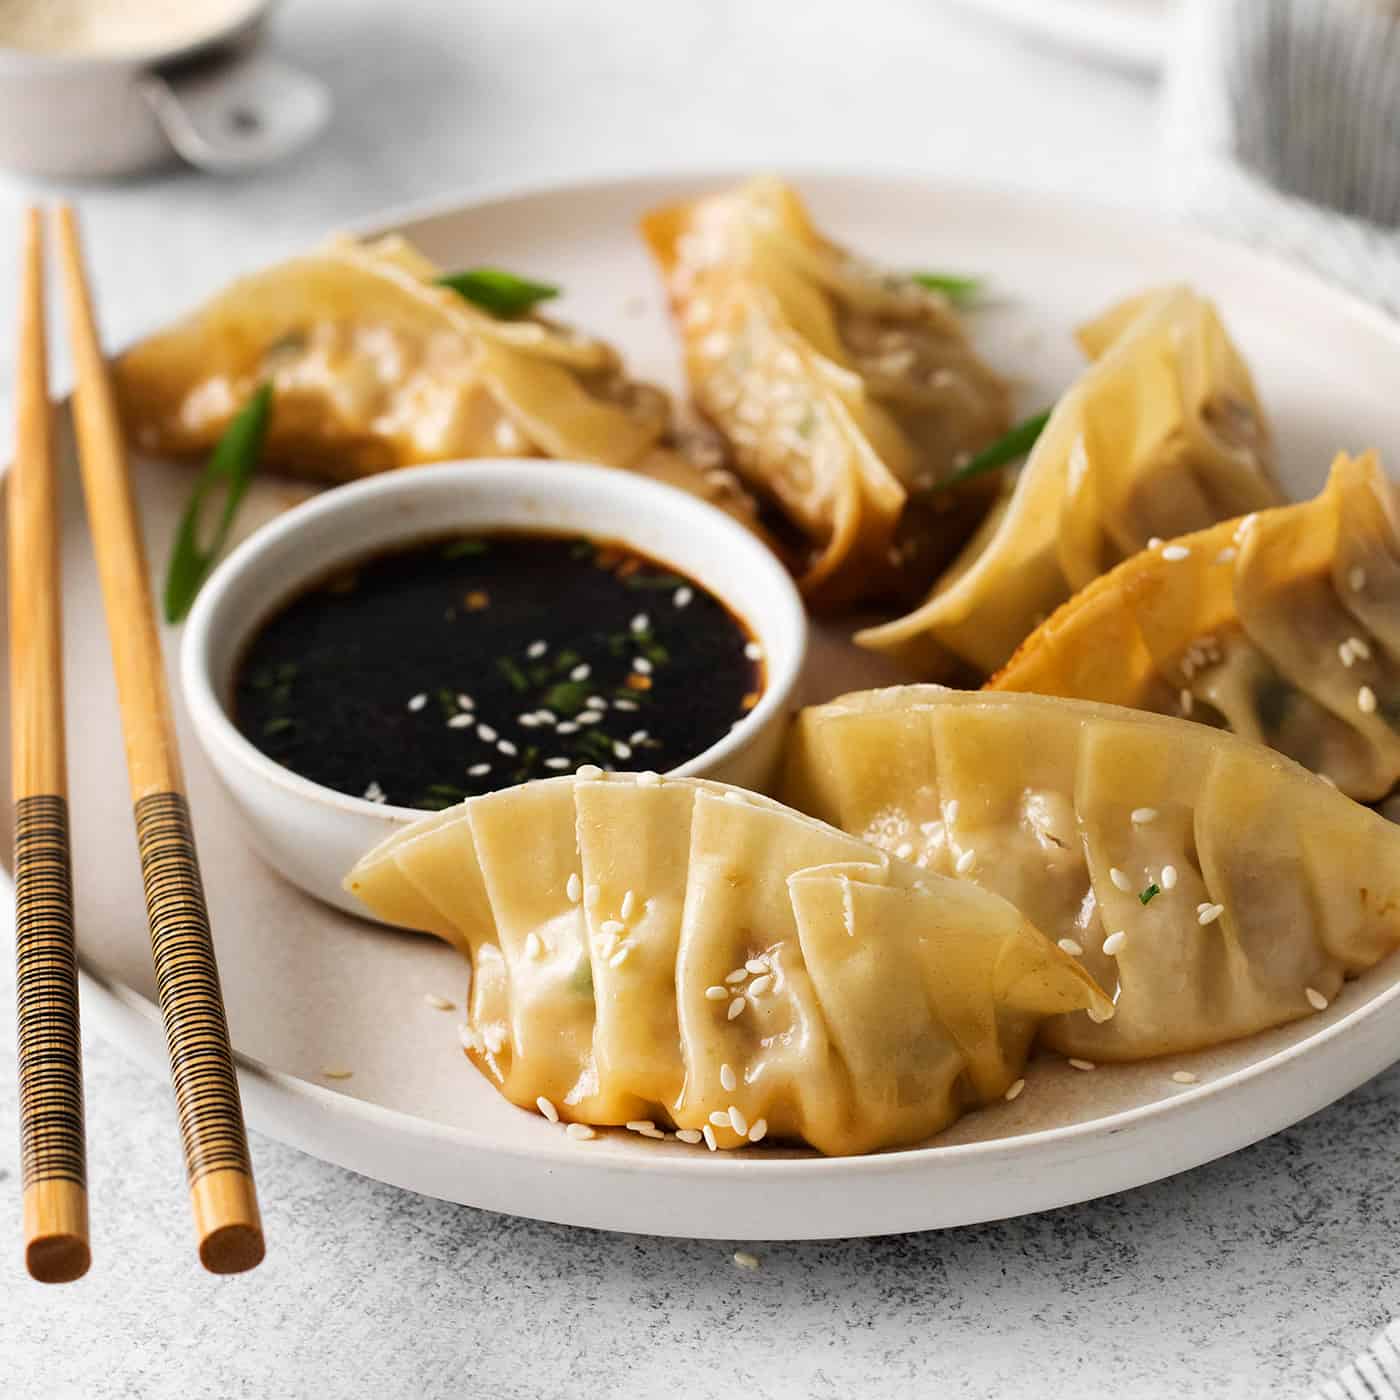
[
  {"x": 1005, "y": 450},
  {"x": 961, "y": 291},
  {"x": 501, "y": 293},
  {"x": 230, "y": 468},
  {"x": 1150, "y": 893}
]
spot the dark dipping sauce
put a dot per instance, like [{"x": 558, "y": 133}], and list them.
[{"x": 456, "y": 666}]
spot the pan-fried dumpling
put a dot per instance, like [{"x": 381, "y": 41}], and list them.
[
  {"x": 843, "y": 390},
  {"x": 1214, "y": 886},
  {"x": 1283, "y": 627},
  {"x": 684, "y": 953},
  {"x": 1160, "y": 435},
  {"x": 376, "y": 366}
]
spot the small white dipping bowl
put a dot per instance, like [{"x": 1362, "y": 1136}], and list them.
[{"x": 312, "y": 834}]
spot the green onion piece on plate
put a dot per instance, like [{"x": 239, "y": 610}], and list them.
[
  {"x": 1005, "y": 450},
  {"x": 501, "y": 293},
  {"x": 961, "y": 291},
  {"x": 1150, "y": 893},
  {"x": 230, "y": 468}
]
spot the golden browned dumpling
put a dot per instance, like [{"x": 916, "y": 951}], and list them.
[
  {"x": 1283, "y": 627},
  {"x": 680, "y": 953},
  {"x": 375, "y": 366},
  {"x": 845, "y": 392},
  {"x": 1214, "y": 887},
  {"x": 1160, "y": 435}
]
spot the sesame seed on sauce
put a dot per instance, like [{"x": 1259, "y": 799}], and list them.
[
  {"x": 1209, "y": 913},
  {"x": 711, "y": 1141},
  {"x": 1142, "y": 815},
  {"x": 1068, "y": 945},
  {"x": 1169, "y": 877},
  {"x": 1120, "y": 880},
  {"x": 1316, "y": 1000},
  {"x": 1113, "y": 944},
  {"x": 1015, "y": 1091},
  {"x": 579, "y": 652},
  {"x": 717, "y": 993}
]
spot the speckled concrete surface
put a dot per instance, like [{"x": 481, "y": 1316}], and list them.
[{"x": 1253, "y": 1277}]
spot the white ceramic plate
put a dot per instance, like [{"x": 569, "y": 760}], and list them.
[
  {"x": 308, "y": 988},
  {"x": 1125, "y": 33}
]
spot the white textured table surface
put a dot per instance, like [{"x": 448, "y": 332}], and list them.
[{"x": 1254, "y": 1276}]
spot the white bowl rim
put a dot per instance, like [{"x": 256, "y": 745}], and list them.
[{"x": 210, "y": 715}]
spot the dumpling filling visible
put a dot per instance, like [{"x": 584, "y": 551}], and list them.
[
  {"x": 846, "y": 393},
  {"x": 1214, "y": 887},
  {"x": 1283, "y": 627},
  {"x": 681, "y": 954},
  {"x": 1163, "y": 433}
]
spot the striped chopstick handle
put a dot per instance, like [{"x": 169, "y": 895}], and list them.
[
  {"x": 50, "y": 1052},
  {"x": 187, "y": 982},
  {"x": 215, "y": 1142}
]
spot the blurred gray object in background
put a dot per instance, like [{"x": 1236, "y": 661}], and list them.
[{"x": 1283, "y": 124}]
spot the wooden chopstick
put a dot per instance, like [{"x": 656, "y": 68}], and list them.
[
  {"x": 217, "y": 1163},
  {"x": 53, "y": 1149}
]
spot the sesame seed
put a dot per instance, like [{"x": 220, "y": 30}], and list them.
[
  {"x": 1015, "y": 1091},
  {"x": 1120, "y": 880},
  {"x": 1357, "y": 579},
  {"x": 758, "y": 1130},
  {"x": 756, "y": 966},
  {"x": 1345, "y": 653},
  {"x": 418, "y": 701},
  {"x": 965, "y": 862},
  {"x": 737, "y": 975},
  {"x": 717, "y": 993},
  {"x": 1143, "y": 815},
  {"x": 1175, "y": 553},
  {"x": 640, "y": 1125},
  {"x": 506, "y": 747},
  {"x": 569, "y": 727},
  {"x": 527, "y": 721},
  {"x": 581, "y": 672},
  {"x": 619, "y": 957},
  {"x": 461, "y": 721},
  {"x": 621, "y": 750},
  {"x": 1210, "y": 914},
  {"x": 1183, "y": 1076},
  {"x": 720, "y": 1118},
  {"x": 638, "y": 736},
  {"x": 536, "y": 650},
  {"x": 759, "y": 985},
  {"x": 1366, "y": 699},
  {"x": 1361, "y": 648},
  {"x": 589, "y": 770},
  {"x": 334, "y": 1072},
  {"x": 547, "y": 1108},
  {"x": 629, "y": 903},
  {"x": 1154, "y": 542},
  {"x": 533, "y": 947},
  {"x": 728, "y": 1079},
  {"x": 950, "y": 810},
  {"x": 1114, "y": 942},
  {"x": 580, "y": 1132},
  {"x": 465, "y": 702},
  {"x": 649, "y": 779},
  {"x": 486, "y": 733},
  {"x": 574, "y": 888},
  {"x": 736, "y": 1007},
  {"x": 1316, "y": 1000},
  {"x": 611, "y": 928},
  {"x": 1068, "y": 945},
  {"x": 641, "y": 622},
  {"x": 1226, "y": 555},
  {"x": 546, "y": 717},
  {"x": 689, "y": 1135},
  {"x": 478, "y": 770},
  {"x": 596, "y": 702},
  {"x": 1188, "y": 702},
  {"x": 1169, "y": 877},
  {"x": 904, "y": 851},
  {"x": 1082, "y": 1064},
  {"x": 557, "y": 762},
  {"x": 624, "y": 704},
  {"x": 439, "y": 1003},
  {"x": 753, "y": 651},
  {"x": 375, "y": 793},
  {"x": 709, "y": 1135},
  {"x": 737, "y": 1121},
  {"x": 587, "y": 717},
  {"x": 591, "y": 895},
  {"x": 641, "y": 665},
  {"x": 682, "y": 596}
]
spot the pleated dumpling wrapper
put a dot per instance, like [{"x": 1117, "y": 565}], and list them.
[
  {"x": 680, "y": 953},
  {"x": 1162, "y": 434},
  {"x": 845, "y": 392},
  {"x": 1214, "y": 886},
  {"x": 1283, "y": 627},
  {"x": 374, "y": 365}
]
